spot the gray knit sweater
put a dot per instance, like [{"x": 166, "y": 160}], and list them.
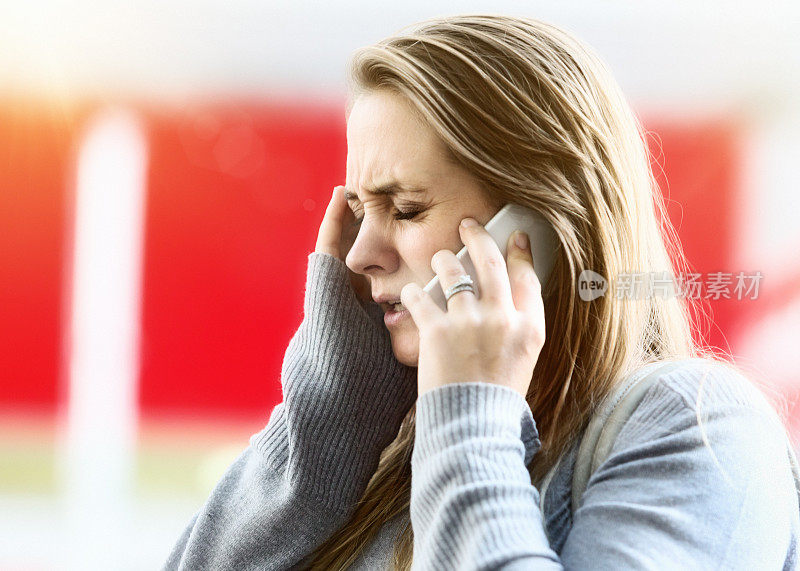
[{"x": 662, "y": 499}]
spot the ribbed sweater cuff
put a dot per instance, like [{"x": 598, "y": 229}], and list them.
[
  {"x": 486, "y": 415},
  {"x": 330, "y": 271},
  {"x": 344, "y": 392}
]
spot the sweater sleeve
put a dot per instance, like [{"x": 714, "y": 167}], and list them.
[
  {"x": 344, "y": 398},
  {"x": 663, "y": 499},
  {"x": 472, "y": 502}
]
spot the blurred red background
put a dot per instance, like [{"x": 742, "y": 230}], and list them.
[{"x": 235, "y": 194}]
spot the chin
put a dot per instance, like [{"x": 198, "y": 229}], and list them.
[{"x": 405, "y": 345}]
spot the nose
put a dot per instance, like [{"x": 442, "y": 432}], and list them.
[{"x": 373, "y": 251}]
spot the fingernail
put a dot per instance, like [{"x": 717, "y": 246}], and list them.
[
  {"x": 521, "y": 239},
  {"x": 468, "y": 223}
]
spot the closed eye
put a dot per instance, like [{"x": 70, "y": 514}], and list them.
[{"x": 398, "y": 215}]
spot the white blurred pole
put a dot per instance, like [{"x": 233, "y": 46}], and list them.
[{"x": 99, "y": 437}]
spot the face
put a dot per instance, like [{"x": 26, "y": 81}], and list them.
[{"x": 399, "y": 232}]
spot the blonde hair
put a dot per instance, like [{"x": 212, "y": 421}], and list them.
[{"x": 538, "y": 119}]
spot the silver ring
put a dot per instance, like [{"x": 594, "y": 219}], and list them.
[{"x": 464, "y": 283}]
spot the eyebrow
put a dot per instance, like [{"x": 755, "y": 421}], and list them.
[{"x": 388, "y": 189}]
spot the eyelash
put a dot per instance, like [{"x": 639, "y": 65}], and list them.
[{"x": 401, "y": 215}]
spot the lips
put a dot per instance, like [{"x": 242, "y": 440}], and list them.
[
  {"x": 386, "y": 301},
  {"x": 393, "y": 318}
]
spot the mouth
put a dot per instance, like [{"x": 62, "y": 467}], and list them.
[
  {"x": 394, "y": 314},
  {"x": 393, "y": 307}
]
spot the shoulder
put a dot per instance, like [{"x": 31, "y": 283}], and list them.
[
  {"x": 705, "y": 412},
  {"x": 699, "y": 472},
  {"x": 703, "y": 387},
  {"x": 705, "y": 440},
  {"x": 706, "y": 380}
]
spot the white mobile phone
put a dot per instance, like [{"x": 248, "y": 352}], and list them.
[{"x": 509, "y": 218}]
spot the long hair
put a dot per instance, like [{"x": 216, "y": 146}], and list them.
[{"x": 538, "y": 119}]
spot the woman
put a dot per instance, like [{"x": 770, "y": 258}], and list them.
[{"x": 449, "y": 121}]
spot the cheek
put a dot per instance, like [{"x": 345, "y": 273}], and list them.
[
  {"x": 443, "y": 234},
  {"x": 416, "y": 251}
]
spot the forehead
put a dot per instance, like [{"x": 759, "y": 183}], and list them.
[{"x": 388, "y": 143}]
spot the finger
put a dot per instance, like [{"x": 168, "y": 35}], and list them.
[
  {"x": 449, "y": 269},
  {"x": 489, "y": 264},
  {"x": 329, "y": 237},
  {"x": 419, "y": 304},
  {"x": 525, "y": 287}
]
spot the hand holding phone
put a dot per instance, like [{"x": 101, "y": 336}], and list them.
[{"x": 510, "y": 217}]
